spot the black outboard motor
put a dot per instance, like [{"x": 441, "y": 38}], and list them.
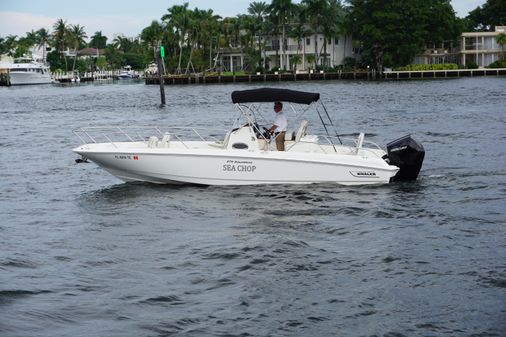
[{"x": 407, "y": 154}]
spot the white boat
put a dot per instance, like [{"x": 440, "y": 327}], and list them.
[
  {"x": 27, "y": 71},
  {"x": 244, "y": 155},
  {"x": 151, "y": 70},
  {"x": 126, "y": 73}
]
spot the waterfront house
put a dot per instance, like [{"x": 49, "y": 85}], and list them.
[
  {"x": 480, "y": 47},
  {"x": 446, "y": 52},
  {"x": 331, "y": 55},
  {"x": 88, "y": 53},
  {"x": 230, "y": 59},
  {"x": 297, "y": 55}
]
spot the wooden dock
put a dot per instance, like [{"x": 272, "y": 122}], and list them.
[
  {"x": 67, "y": 77},
  {"x": 4, "y": 77},
  {"x": 322, "y": 76}
]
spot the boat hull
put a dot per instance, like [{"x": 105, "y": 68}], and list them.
[
  {"x": 27, "y": 78},
  {"x": 239, "y": 167}
]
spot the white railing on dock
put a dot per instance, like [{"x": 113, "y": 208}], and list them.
[{"x": 90, "y": 76}]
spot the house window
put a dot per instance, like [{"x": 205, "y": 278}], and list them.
[
  {"x": 336, "y": 41},
  {"x": 308, "y": 41},
  {"x": 275, "y": 44}
]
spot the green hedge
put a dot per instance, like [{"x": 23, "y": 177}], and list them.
[
  {"x": 421, "y": 67},
  {"x": 497, "y": 64}
]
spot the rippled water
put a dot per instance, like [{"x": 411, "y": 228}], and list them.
[{"x": 82, "y": 254}]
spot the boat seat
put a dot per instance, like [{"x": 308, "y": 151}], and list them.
[
  {"x": 302, "y": 130},
  {"x": 153, "y": 142},
  {"x": 360, "y": 142},
  {"x": 222, "y": 144},
  {"x": 289, "y": 135},
  {"x": 165, "y": 141}
]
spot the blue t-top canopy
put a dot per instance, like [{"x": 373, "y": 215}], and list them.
[{"x": 265, "y": 95}]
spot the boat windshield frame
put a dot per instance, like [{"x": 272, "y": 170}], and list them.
[{"x": 250, "y": 111}]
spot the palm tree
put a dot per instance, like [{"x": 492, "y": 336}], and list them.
[
  {"x": 280, "y": 11},
  {"x": 42, "y": 41},
  {"x": 311, "y": 59},
  {"x": 315, "y": 10},
  {"x": 77, "y": 36},
  {"x": 258, "y": 9},
  {"x": 60, "y": 35},
  {"x": 123, "y": 43},
  {"x": 178, "y": 19},
  {"x": 24, "y": 44},
  {"x": 98, "y": 40},
  {"x": 295, "y": 60},
  {"x": 10, "y": 44},
  {"x": 501, "y": 40},
  {"x": 333, "y": 20},
  {"x": 30, "y": 38},
  {"x": 299, "y": 32},
  {"x": 210, "y": 28},
  {"x": 197, "y": 19}
]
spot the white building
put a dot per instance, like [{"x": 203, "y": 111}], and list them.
[
  {"x": 481, "y": 47},
  {"x": 337, "y": 49}
]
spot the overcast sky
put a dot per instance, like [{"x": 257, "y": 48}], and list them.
[{"x": 127, "y": 17}]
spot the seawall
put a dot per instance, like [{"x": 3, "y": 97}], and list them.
[{"x": 322, "y": 76}]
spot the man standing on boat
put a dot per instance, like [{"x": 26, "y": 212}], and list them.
[{"x": 279, "y": 126}]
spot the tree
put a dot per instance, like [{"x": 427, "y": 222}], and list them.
[
  {"x": 501, "y": 40},
  {"x": 492, "y": 13},
  {"x": 60, "y": 37},
  {"x": 295, "y": 60},
  {"x": 331, "y": 26},
  {"x": 280, "y": 11},
  {"x": 76, "y": 37},
  {"x": 9, "y": 45},
  {"x": 258, "y": 9},
  {"x": 98, "y": 41},
  {"x": 299, "y": 32},
  {"x": 178, "y": 19},
  {"x": 392, "y": 32},
  {"x": 315, "y": 11},
  {"x": 197, "y": 22},
  {"x": 440, "y": 22},
  {"x": 114, "y": 57},
  {"x": 42, "y": 40},
  {"x": 152, "y": 34},
  {"x": 311, "y": 59}
]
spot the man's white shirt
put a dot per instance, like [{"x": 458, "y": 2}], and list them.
[{"x": 281, "y": 122}]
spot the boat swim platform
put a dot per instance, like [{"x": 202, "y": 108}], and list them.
[{"x": 323, "y": 76}]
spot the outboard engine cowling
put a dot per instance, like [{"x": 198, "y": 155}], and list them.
[{"x": 407, "y": 154}]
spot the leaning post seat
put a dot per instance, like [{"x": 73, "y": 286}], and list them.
[
  {"x": 289, "y": 135},
  {"x": 302, "y": 130},
  {"x": 153, "y": 142},
  {"x": 165, "y": 140}
]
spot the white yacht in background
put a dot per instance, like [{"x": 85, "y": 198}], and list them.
[
  {"x": 246, "y": 154},
  {"x": 25, "y": 70},
  {"x": 126, "y": 73}
]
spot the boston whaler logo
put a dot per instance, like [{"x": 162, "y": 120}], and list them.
[
  {"x": 239, "y": 166},
  {"x": 364, "y": 174}
]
